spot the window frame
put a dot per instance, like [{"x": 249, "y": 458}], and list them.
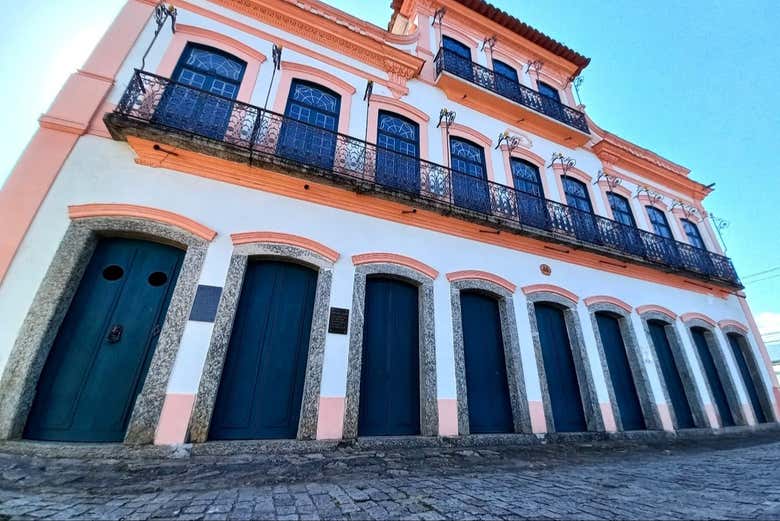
[
  {"x": 629, "y": 212},
  {"x": 566, "y": 194},
  {"x": 651, "y": 211},
  {"x": 697, "y": 236},
  {"x": 545, "y": 89}
]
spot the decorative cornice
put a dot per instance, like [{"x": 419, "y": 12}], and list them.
[{"x": 334, "y": 29}]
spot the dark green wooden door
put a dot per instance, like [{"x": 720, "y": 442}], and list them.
[
  {"x": 99, "y": 359},
  {"x": 671, "y": 375},
  {"x": 620, "y": 374},
  {"x": 262, "y": 381},
  {"x": 562, "y": 384},
  {"x": 390, "y": 370},
  {"x": 487, "y": 388},
  {"x": 750, "y": 385},
  {"x": 711, "y": 372}
]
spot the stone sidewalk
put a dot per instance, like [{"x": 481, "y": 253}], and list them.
[{"x": 722, "y": 478}]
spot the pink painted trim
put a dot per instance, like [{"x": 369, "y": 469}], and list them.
[
  {"x": 448, "y": 416},
  {"x": 620, "y": 190},
  {"x": 399, "y": 107},
  {"x": 462, "y": 131},
  {"x": 330, "y": 423},
  {"x": 392, "y": 258},
  {"x": 482, "y": 275},
  {"x": 174, "y": 418},
  {"x": 292, "y": 71},
  {"x": 709, "y": 409},
  {"x": 286, "y": 238},
  {"x": 641, "y": 310},
  {"x": 687, "y": 317},
  {"x": 610, "y": 425},
  {"x": 666, "y": 416},
  {"x": 764, "y": 353},
  {"x": 577, "y": 174},
  {"x": 603, "y": 299},
  {"x": 539, "y": 288},
  {"x": 733, "y": 323},
  {"x": 84, "y": 211},
  {"x": 538, "y": 423},
  {"x": 189, "y": 33},
  {"x": 75, "y": 106}
]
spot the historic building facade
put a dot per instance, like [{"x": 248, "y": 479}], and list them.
[{"x": 280, "y": 222}]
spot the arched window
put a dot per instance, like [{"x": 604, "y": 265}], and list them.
[
  {"x": 469, "y": 175},
  {"x": 659, "y": 222},
  {"x": 577, "y": 194},
  {"x": 308, "y": 133},
  {"x": 526, "y": 177},
  {"x": 692, "y": 231},
  {"x": 531, "y": 202},
  {"x": 206, "y": 80},
  {"x": 398, "y": 150},
  {"x": 548, "y": 91},
  {"x": 507, "y": 83},
  {"x": 457, "y": 58},
  {"x": 621, "y": 209}
]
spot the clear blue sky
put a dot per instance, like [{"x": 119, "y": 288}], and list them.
[{"x": 693, "y": 81}]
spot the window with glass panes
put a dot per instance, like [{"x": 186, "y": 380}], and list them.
[
  {"x": 659, "y": 222},
  {"x": 621, "y": 209},
  {"x": 693, "y": 234},
  {"x": 547, "y": 90},
  {"x": 577, "y": 194}
]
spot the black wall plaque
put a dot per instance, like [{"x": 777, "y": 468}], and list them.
[
  {"x": 339, "y": 321},
  {"x": 204, "y": 309}
]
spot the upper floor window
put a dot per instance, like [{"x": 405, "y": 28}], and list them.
[
  {"x": 621, "y": 209},
  {"x": 526, "y": 177},
  {"x": 210, "y": 70},
  {"x": 577, "y": 194},
  {"x": 659, "y": 222},
  {"x": 398, "y": 140},
  {"x": 469, "y": 175},
  {"x": 547, "y": 90},
  {"x": 453, "y": 45},
  {"x": 692, "y": 231},
  {"x": 308, "y": 134},
  {"x": 505, "y": 70}
]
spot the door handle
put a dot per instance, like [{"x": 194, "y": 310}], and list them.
[{"x": 114, "y": 334}]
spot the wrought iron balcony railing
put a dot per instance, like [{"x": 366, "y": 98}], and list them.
[
  {"x": 449, "y": 61},
  {"x": 158, "y": 104}
]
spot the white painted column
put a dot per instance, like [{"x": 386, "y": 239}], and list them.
[
  {"x": 533, "y": 387},
  {"x": 446, "y": 386}
]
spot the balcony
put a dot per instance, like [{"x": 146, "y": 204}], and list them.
[
  {"x": 158, "y": 109},
  {"x": 466, "y": 82}
]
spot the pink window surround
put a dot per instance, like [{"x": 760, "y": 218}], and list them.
[
  {"x": 574, "y": 173},
  {"x": 288, "y": 239},
  {"x": 674, "y": 223},
  {"x": 462, "y": 131},
  {"x": 687, "y": 317},
  {"x": 604, "y": 299},
  {"x": 393, "y": 258},
  {"x": 188, "y": 33},
  {"x": 83, "y": 211},
  {"x": 534, "y": 159},
  {"x": 456, "y": 33},
  {"x": 641, "y": 310},
  {"x": 679, "y": 215},
  {"x": 395, "y": 106},
  {"x": 291, "y": 71},
  {"x": 482, "y": 275},
  {"x": 550, "y": 288},
  {"x": 735, "y": 324}
]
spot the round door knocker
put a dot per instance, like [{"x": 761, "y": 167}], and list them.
[{"x": 545, "y": 269}]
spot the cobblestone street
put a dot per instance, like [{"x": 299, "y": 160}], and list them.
[{"x": 712, "y": 479}]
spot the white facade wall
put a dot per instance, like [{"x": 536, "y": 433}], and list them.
[{"x": 103, "y": 171}]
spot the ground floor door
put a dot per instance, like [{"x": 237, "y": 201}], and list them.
[
  {"x": 487, "y": 388},
  {"x": 711, "y": 373},
  {"x": 261, "y": 389},
  {"x": 751, "y": 385},
  {"x": 562, "y": 384},
  {"x": 620, "y": 373},
  {"x": 98, "y": 361},
  {"x": 671, "y": 375},
  {"x": 390, "y": 370}
]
